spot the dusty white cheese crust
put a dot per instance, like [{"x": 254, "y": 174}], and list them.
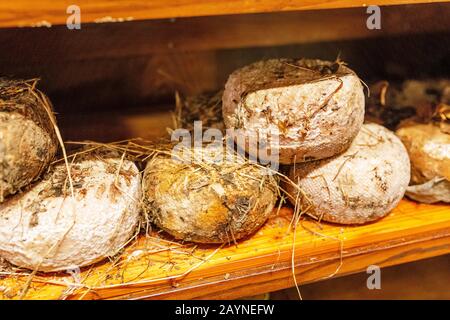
[
  {"x": 306, "y": 110},
  {"x": 360, "y": 185},
  {"x": 46, "y": 229}
]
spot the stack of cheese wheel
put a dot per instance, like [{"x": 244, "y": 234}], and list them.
[{"x": 311, "y": 113}]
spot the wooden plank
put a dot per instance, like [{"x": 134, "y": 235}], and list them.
[
  {"x": 103, "y": 67},
  {"x": 94, "y": 41},
  {"x": 263, "y": 281},
  {"x": 260, "y": 263},
  {"x": 22, "y": 13},
  {"x": 411, "y": 281},
  {"x": 90, "y": 86}
]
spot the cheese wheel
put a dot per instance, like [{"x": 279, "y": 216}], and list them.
[
  {"x": 27, "y": 139},
  {"x": 429, "y": 151},
  {"x": 360, "y": 185},
  {"x": 47, "y": 229},
  {"x": 207, "y": 201},
  {"x": 428, "y": 146},
  {"x": 306, "y": 109}
]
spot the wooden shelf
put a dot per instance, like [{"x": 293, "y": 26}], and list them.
[
  {"x": 153, "y": 268},
  {"x": 24, "y": 13}
]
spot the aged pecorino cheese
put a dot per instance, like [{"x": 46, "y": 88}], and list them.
[
  {"x": 360, "y": 185},
  {"x": 47, "y": 229},
  {"x": 27, "y": 139},
  {"x": 428, "y": 146},
  {"x": 207, "y": 201},
  {"x": 307, "y": 109}
]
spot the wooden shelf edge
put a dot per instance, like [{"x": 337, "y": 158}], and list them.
[
  {"x": 260, "y": 263},
  {"x": 29, "y": 13},
  {"x": 259, "y": 277},
  {"x": 263, "y": 280}
]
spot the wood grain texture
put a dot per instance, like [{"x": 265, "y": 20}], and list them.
[
  {"x": 410, "y": 281},
  {"x": 106, "y": 66},
  {"x": 140, "y": 38},
  {"x": 22, "y": 13},
  {"x": 153, "y": 268}
]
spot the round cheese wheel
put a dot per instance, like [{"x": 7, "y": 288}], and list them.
[
  {"x": 208, "y": 201},
  {"x": 428, "y": 146},
  {"x": 360, "y": 185},
  {"x": 27, "y": 139},
  {"x": 305, "y": 109},
  {"x": 47, "y": 229}
]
